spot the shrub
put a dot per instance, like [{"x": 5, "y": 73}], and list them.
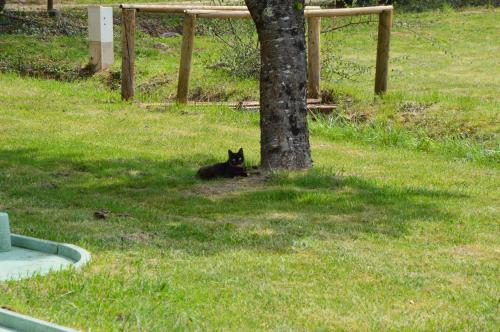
[
  {"x": 239, "y": 55},
  {"x": 420, "y": 5},
  {"x": 415, "y": 5}
]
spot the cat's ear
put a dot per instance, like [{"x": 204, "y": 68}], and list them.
[
  {"x": 229, "y": 153},
  {"x": 240, "y": 151}
]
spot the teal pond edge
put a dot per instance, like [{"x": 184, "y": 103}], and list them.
[
  {"x": 71, "y": 256},
  {"x": 79, "y": 256},
  {"x": 12, "y": 321}
]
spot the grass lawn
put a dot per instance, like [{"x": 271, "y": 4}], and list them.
[{"x": 395, "y": 228}]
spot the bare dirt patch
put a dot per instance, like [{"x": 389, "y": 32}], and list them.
[
  {"x": 413, "y": 107},
  {"x": 203, "y": 95},
  {"x": 154, "y": 83},
  {"x": 475, "y": 251},
  {"x": 110, "y": 78},
  {"x": 224, "y": 187},
  {"x": 139, "y": 236}
]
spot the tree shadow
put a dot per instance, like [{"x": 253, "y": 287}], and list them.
[{"x": 160, "y": 204}]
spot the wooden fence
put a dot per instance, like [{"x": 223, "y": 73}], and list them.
[{"x": 192, "y": 12}]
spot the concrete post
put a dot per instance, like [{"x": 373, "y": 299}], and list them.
[
  {"x": 5, "y": 244},
  {"x": 101, "y": 36}
]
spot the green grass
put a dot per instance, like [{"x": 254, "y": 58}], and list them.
[
  {"x": 442, "y": 91},
  {"x": 395, "y": 228}
]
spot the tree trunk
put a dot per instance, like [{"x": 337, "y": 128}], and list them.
[{"x": 283, "y": 76}]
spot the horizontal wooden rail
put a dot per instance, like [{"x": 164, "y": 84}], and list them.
[
  {"x": 235, "y": 14},
  {"x": 179, "y": 9},
  {"x": 207, "y": 13},
  {"x": 310, "y": 101},
  {"x": 348, "y": 11}
]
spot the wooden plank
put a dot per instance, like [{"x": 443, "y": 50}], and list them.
[
  {"x": 205, "y": 13},
  {"x": 324, "y": 108},
  {"x": 310, "y": 106},
  {"x": 217, "y": 13},
  {"x": 313, "y": 101},
  {"x": 310, "y": 102},
  {"x": 128, "y": 53},
  {"x": 313, "y": 57},
  {"x": 186, "y": 58},
  {"x": 179, "y": 9},
  {"x": 347, "y": 11},
  {"x": 384, "y": 38}
]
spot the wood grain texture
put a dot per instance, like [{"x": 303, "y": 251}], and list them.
[
  {"x": 186, "y": 58},
  {"x": 128, "y": 54},
  {"x": 383, "y": 46},
  {"x": 313, "y": 57}
]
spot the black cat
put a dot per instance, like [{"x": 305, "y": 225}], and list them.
[{"x": 234, "y": 167}]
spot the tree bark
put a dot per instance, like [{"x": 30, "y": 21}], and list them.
[{"x": 283, "y": 76}]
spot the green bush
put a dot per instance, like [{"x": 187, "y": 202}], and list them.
[
  {"x": 239, "y": 55},
  {"x": 420, "y": 5},
  {"x": 415, "y": 5}
]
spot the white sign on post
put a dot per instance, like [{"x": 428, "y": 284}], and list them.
[{"x": 101, "y": 36}]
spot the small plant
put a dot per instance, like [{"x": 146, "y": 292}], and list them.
[
  {"x": 239, "y": 55},
  {"x": 336, "y": 68}
]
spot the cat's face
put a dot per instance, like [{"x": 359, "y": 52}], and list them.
[{"x": 236, "y": 159}]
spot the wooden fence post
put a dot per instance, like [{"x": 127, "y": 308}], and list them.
[
  {"x": 186, "y": 57},
  {"x": 128, "y": 53},
  {"x": 313, "y": 57},
  {"x": 384, "y": 38},
  {"x": 50, "y": 8}
]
